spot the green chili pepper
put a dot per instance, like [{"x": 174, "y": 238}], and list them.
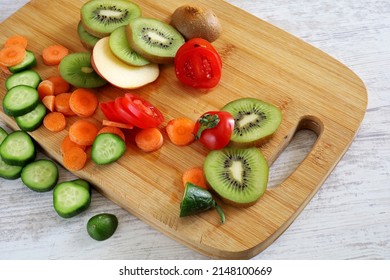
[{"x": 196, "y": 200}]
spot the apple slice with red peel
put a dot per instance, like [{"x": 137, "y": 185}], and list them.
[{"x": 118, "y": 73}]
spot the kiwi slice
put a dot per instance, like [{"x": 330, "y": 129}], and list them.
[
  {"x": 238, "y": 176},
  {"x": 254, "y": 121},
  {"x": 77, "y": 70},
  {"x": 153, "y": 39},
  {"x": 101, "y": 17},
  {"x": 120, "y": 47},
  {"x": 86, "y": 39}
]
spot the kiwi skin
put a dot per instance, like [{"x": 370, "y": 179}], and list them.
[{"x": 196, "y": 21}]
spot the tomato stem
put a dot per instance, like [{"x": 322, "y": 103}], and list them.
[{"x": 207, "y": 121}]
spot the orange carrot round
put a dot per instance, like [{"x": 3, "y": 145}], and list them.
[
  {"x": 113, "y": 130},
  {"x": 61, "y": 104},
  {"x": 83, "y": 132},
  {"x": 54, "y": 121},
  {"x": 117, "y": 124},
  {"x": 149, "y": 139},
  {"x": 16, "y": 40},
  {"x": 180, "y": 131},
  {"x": 52, "y": 55},
  {"x": 74, "y": 159},
  {"x": 60, "y": 85},
  {"x": 48, "y": 101},
  {"x": 196, "y": 176},
  {"x": 12, "y": 55},
  {"x": 45, "y": 88},
  {"x": 83, "y": 102},
  {"x": 67, "y": 144}
]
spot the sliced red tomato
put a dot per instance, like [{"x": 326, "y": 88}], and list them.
[
  {"x": 198, "y": 43},
  {"x": 198, "y": 68},
  {"x": 143, "y": 110},
  {"x": 125, "y": 114},
  {"x": 109, "y": 111},
  {"x": 214, "y": 129}
]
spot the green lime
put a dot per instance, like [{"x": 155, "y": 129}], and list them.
[{"x": 102, "y": 226}]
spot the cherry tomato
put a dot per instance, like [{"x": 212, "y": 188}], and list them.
[
  {"x": 214, "y": 129},
  {"x": 198, "y": 43},
  {"x": 143, "y": 109},
  {"x": 125, "y": 114},
  {"x": 198, "y": 67}
]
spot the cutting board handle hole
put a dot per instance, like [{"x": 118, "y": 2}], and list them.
[{"x": 298, "y": 148}]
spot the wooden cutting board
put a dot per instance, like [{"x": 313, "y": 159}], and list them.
[{"x": 313, "y": 90}]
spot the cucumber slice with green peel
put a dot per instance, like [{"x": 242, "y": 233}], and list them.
[
  {"x": 28, "y": 62},
  {"x": 32, "y": 120},
  {"x": 20, "y": 100},
  {"x": 83, "y": 183},
  {"x": 3, "y": 134},
  {"x": 9, "y": 172},
  {"x": 27, "y": 77},
  {"x": 107, "y": 148},
  {"x": 70, "y": 199},
  {"x": 40, "y": 175},
  {"x": 18, "y": 149}
]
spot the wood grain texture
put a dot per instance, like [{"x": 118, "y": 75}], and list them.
[{"x": 172, "y": 253}]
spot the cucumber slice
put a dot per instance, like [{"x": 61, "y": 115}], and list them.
[
  {"x": 70, "y": 199},
  {"x": 20, "y": 100},
  {"x": 40, "y": 175},
  {"x": 107, "y": 148},
  {"x": 83, "y": 183},
  {"x": 32, "y": 120},
  {"x": 28, "y": 62},
  {"x": 27, "y": 77},
  {"x": 9, "y": 172},
  {"x": 18, "y": 149},
  {"x": 3, "y": 134}
]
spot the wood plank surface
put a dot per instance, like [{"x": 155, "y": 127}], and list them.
[{"x": 314, "y": 91}]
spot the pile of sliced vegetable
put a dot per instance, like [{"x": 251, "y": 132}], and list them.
[{"x": 120, "y": 55}]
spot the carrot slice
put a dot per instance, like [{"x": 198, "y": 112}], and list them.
[
  {"x": 60, "y": 85},
  {"x": 54, "y": 121},
  {"x": 83, "y": 132},
  {"x": 16, "y": 40},
  {"x": 67, "y": 144},
  {"x": 83, "y": 102},
  {"x": 74, "y": 159},
  {"x": 113, "y": 130},
  {"x": 48, "y": 101},
  {"x": 117, "y": 124},
  {"x": 196, "y": 176},
  {"x": 52, "y": 55},
  {"x": 180, "y": 131},
  {"x": 12, "y": 55},
  {"x": 61, "y": 104},
  {"x": 45, "y": 88},
  {"x": 149, "y": 139}
]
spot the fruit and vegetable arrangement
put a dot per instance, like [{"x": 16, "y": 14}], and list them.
[{"x": 126, "y": 50}]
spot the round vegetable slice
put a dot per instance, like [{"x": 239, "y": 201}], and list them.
[
  {"x": 40, "y": 175},
  {"x": 143, "y": 109}
]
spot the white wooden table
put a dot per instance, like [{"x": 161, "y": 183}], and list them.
[{"x": 349, "y": 218}]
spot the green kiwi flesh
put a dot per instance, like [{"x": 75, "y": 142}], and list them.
[
  {"x": 238, "y": 176},
  {"x": 254, "y": 121},
  {"x": 86, "y": 39},
  {"x": 153, "y": 39},
  {"x": 120, "y": 47},
  {"x": 77, "y": 70},
  {"x": 101, "y": 17}
]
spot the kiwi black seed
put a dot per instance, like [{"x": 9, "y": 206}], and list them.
[
  {"x": 153, "y": 39},
  {"x": 254, "y": 121},
  {"x": 238, "y": 175},
  {"x": 86, "y": 39},
  {"x": 120, "y": 47},
  {"x": 101, "y": 17},
  {"x": 77, "y": 70}
]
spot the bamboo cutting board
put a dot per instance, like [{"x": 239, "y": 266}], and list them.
[{"x": 313, "y": 90}]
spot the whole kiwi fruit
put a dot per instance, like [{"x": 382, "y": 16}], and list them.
[{"x": 196, "y": 21}]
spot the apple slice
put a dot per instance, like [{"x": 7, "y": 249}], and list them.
[{"x": 118, "y": 73}]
